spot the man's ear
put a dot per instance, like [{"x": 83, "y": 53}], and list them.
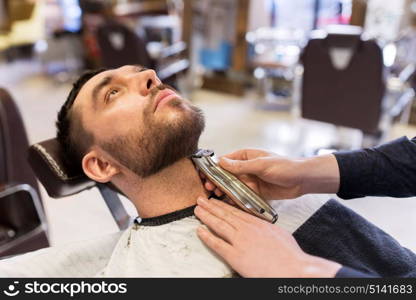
[{"x": 98, "y": 167}]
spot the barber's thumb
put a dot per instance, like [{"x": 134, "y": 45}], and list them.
[{"x": 237, "y": 167}]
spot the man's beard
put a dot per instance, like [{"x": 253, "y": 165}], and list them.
[{"x": 162, "y": 143}]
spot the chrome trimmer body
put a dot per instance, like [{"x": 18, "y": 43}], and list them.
[{"x": 233, "y": 188}]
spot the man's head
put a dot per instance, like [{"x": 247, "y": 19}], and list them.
[{"x": 126, "y": 117}]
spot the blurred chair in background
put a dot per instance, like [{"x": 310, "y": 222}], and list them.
[
  {"x": 22, "y": 220},
  {"x": 274, "y": 54},
  {"x": 112, "y": 39},
  {"x": 344, "y": 84},
  {"x": 119, "y": 46},
  {"x": 347, "y": 82},
  {"x": 402, "y": 62},
  {"x": 61, "y": 55},
  {"x": 22, "y": 25}
]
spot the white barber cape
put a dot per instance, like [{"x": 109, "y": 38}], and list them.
[
  {"x": 170, "y": 250},
  {"x": 157, "y": 247}
]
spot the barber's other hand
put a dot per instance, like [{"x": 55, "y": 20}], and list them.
[
  {"x": 276, "y": 177},
  {"x": 255, "y": 248}
]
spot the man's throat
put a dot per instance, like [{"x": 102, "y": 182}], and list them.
[{"x": 175, "y": 188}]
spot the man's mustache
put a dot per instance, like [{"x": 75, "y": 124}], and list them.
[
  {"x": 153, "y": 92},
  {"x": 160, "y": 87}
]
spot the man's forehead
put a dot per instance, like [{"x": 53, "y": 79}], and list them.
[{"x": 85, "y": 92}]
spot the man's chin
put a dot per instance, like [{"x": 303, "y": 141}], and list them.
[
  {"x": 174, "y": 109},
  {"x": 177, "y": 103}
]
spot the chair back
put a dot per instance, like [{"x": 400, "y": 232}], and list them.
[
  {"x": 22, "y": 220},
  {"x": 343, "y": 82},
  {"x": 120, "y": 46}
]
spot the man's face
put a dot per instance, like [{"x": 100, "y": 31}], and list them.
[{"x": 142, "y": 124}]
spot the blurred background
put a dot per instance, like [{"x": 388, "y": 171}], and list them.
[{"x": 297, "y": 77}]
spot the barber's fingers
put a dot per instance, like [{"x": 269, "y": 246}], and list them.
[
  {"x": 230, "y": 214},
  {"x": 213, "y": 188},
  {"x": 228, "y": 200},
  {"x": 245, "y": 216},
  {"x": 241, "y": 167},
  {"x": 219, "y": 212},
  {"x": 248, "y": 154},
  {"x": 202, "y": 175},
  {"x": 207, "y": 183},
  {"x": 209, "y": 186},
  {"x": 221, "y": 247},
  {"x": 219, "y": 226}
]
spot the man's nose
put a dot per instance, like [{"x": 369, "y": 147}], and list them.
[{"x": 146, "y": 80}]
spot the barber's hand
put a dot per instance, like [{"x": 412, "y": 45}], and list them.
[
  {"x": 275, "y": 177},
  {"x": 255, "y": 248}
]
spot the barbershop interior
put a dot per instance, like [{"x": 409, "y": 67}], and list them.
[{"x": 279, "y": 75}]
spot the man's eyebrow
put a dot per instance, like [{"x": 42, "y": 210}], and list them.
[
  {"x": 97, "y": 89},
  {"x": 107, "y": 80},
  {"x": 139, "y": 68}
]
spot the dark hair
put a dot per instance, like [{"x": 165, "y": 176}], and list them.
[{"x": 71, "y": 134}]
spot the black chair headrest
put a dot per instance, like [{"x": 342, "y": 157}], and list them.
[
  {"x": 344, "y": 36},
  {"x": 47, "y": 162}
]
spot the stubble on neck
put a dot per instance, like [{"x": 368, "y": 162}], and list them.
[{"x": 175, "y": 187}]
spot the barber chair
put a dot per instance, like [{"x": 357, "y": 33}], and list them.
[
  {"x": 120, "y": 46},
  {"x": 61, "y": 55},
  {"x": 344, "y": 84},
  {"x": 60, "y": 180},
  {"x": 343, "y": 81},
  {"x": 23, "y": 226},
  {"x": 22, "y": 221}
]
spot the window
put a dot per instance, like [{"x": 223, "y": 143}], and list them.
[{"x": 309, "y": 14}]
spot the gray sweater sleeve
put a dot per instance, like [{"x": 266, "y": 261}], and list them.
[
  {"x": 346, "y": 272},
  {"x": 386, "y": 170}
]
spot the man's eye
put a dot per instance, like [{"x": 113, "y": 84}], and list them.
[{"x": 111, "y": 93}]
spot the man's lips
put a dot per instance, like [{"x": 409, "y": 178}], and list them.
[{"x": 163, "y": 97}]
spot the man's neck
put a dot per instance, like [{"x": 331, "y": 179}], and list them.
[{"x": 175, "y": 187}]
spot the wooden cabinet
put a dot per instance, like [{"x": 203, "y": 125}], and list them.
[{"x": 229, "y": 77}]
